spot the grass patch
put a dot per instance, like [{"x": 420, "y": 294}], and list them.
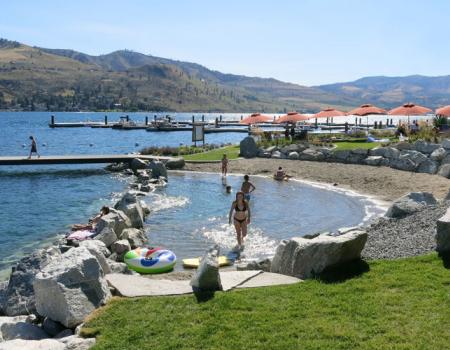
[
  {"x": 356, "y": 144},
  {"x": 400, "y": 304},
  {"x": 232, "y": 152}
]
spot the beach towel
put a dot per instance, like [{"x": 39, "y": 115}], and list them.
[{"x": 80, "y": 235}]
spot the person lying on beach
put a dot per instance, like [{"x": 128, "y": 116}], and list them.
[
  {"x": 92, "y": 222},
  {"x": 241, "y": 217},
  {"x": 247, "y": 187},
  {"x": 280, "y": 175}
]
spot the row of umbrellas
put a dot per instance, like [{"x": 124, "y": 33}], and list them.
[{"x": 408, "y": 109}]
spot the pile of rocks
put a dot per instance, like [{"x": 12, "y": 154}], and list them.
[
  {"x": 421, "y": 156},
  {"x": 59, "y": 286}
]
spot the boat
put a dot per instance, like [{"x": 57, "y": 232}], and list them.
[
  {"x": 165, "y": 124},
  {"x": 126, "y": 124}
]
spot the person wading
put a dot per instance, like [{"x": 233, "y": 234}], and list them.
[{"x": 241, "y": 217}]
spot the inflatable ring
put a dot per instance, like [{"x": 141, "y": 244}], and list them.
[{"x": 146, "y": 260}]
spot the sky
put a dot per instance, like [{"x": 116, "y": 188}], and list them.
[{"x": 308, "y": 42}]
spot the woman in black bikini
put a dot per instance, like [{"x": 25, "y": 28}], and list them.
[{"x": 241, "y": 217}]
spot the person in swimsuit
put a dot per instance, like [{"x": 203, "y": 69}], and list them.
[
  {"x": 247, "y": 187},
  {"x": 224, "y": 165},
  {"x": 241, "y": 217},
  {"x": 93, "y": 221},
  {"x": 281, "y": 175},
  {"x": 33, "y": 147}
]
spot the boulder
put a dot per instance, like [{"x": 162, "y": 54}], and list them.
[
  {"x": 263, "y": 265},
  {"x": 386, "y": 152},
  {"x": 425, "y": 147},
  {"x": 410, "y": 203},
  {"x": 52, "y": 327},
  {"x": 443, "y": 233},
  {"x": 117, "y": 167},
  {"x": 374, "y": 160},
  {"x": 446, "y": 144},
  {"x": 428, "y": 166},
  {"x": 341, "y": 155},
  {"x": 403, "y": 146},
  {"x": 116, "y": 220},
  {"x": 145, "y": 208},
  {"x": 444, "y": 171},
  {"x": 175, "y": 163},
  {"x": 248, "y": 147},
  {"x": 158, "y": 169},
  {"x": 271, "y": 149},
  {"x": 121, "y": 247},
  {"x": 143, "y": 175},
  {"x": 438, "y": 154},
  {"x": 276, "y": 155},
  {"x": 312, "y": 155},
  {"x": 404, "y": 164},
  {"x": 290, "y": 148},
  {"x": 131, "y": 206},
  {"x": 137, "y": 164},
  {"x": 446, "y": 160},
  {"x": 207, "y": 277},
  {"x": 107, "y": 236},
  {"x": 306, "y": 258},
  {"x": 293, "y": 155},
  {"x": 21, "y": 330},
  {"x": 64, "y": 333},
  {"x": 20, "y": 299},
  {"x": 136, "y": 238},
  {"x": 360, "y": 151},
  {"x": 355, "y": 158},
  {"x": 98, "y": 249},
  {"x": 77, "y": 343},
  {"x": 44, "y": 344},
  {"x": 70, "y": 287},
  {"x": 119, "y": 267}
]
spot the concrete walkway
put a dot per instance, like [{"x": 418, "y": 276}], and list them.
[{"x": 137, "y": 286}]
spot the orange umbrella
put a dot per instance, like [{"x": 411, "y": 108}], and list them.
[
  {"x": 292, "y": 117},
  {"x": 445, "y": 111},
  {"x": 256, "y": 118},
  {"x": 409, "y": 109},
  {"x": 329, "y": 113},
  {"x": 367, "y": 110}
]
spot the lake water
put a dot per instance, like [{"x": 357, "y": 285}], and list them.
[{"x": 39, "y": 202}]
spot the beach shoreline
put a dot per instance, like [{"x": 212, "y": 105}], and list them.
[{"x": 381, "y": 183}]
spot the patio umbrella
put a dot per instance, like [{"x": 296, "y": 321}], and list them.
[
  {"x": 366, "y": 110},
  {"x": 256, "y": 118},
  {"x": 329, "y": 113},
  {"x": 292, "y": 117},
  {"x": 444, "y": 111},
  {"x": 409, "y": 109}
]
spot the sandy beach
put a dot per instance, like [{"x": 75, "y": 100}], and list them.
[{"x": 384, "y": 183}]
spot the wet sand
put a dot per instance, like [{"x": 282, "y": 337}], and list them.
[{"x": 384, "y": 183}]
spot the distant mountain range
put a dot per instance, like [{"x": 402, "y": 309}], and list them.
[{"x": 33, "y": 78}]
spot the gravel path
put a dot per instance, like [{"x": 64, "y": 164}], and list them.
[{"x": 409, "y": 236}]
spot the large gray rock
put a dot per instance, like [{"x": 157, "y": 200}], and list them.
[
  {"x": 116, "y": 220},
  {"x": 386, "y": 152},
  {"x": 444, "y": 171},
  {"x": 415, "y": 156},
  {"x": 438, "y": 154},
  {"x": 405, "y": 164},
  {"x": 207, "y": 277},
  {"x": 107, "y": 236},
  {"x": 277, "y": 155},
  {"x": 70, "y": 287},
  {"x": 341, "y": 155},
  {"x": 443, "y": 233},
  {"x": 44, "y": 344},
  {"x": 426, "y": 147},
  {"x": 52, "y": 327},
  {"x": 121, "y": 247},
  {"x": 293, "y": 155},
  {"x": 446, "y": 160},
  {"x": 98, "y": 249},
  {"x": 21, "y": 330},
  {"x": 137, "y": 164},
  {"x": 312, "y": 155},
  {"x": 374, "y": 160},
  {"x": 20, "y": 299},
  {"x": 136, "y": 238},
  {"x": 360, "y": 151},
  {"x": 175, "y": 163},
  {"x": 410, "y": 203},
  {"x": 77, "y": 343},
  {"x": 158, "y": 169},
  {"x": 306, "y": 258},
  {"x": 446, "y": 144},
  {"x": 294, "y": 147},
  {"x": 145, "y": 208},
  {"x": 403, "y": 146},
  {"x": 131, "y": 206},
  {"x": 248, "y": 147},
  {"x": 428, "y": 166}
]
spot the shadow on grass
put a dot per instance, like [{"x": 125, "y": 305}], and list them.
[
  {"x": 203, "y": 296},
  {"x": 345, "y": 271},
  {"x": 445, "y": 259}
]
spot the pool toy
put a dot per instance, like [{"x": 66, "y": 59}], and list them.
[
  {"x": 195, "y": 262},
  {"x": 150, "y": 260}
]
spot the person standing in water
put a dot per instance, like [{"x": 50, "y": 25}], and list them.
[
  {"x": 33, "y": 147},
  {"x": 241, "y": 217},
  {"x": 247, "y": 187},
  {"x": 224, "y": 165}
]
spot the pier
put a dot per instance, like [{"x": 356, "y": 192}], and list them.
[{"x": 77, "y": 159}]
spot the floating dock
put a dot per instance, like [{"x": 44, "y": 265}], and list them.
[{"x": 78, "y": 159}]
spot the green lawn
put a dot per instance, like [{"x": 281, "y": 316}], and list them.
[
  {"x": 401, "y": 304},
  {"x": 353, "y": 145},
  {"x": 232, "y": 152}
]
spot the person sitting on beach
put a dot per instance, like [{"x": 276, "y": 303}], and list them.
[
  {"x": 241, "y": 217},
  {"x": 247, "y": 187},
  {"x": 92, "y": 222},
  {"x": 281, "y": 175},
  {"x": 224, "y": 165}
]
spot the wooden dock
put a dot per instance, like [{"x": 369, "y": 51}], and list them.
[{"x": 77, "y": 159}]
